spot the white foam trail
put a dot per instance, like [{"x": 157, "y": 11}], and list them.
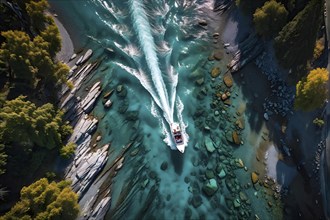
[
  {"x": 143, "y": 78},
  {"x": 143, "y": 29},
  {"x": 173, "y": 77}
]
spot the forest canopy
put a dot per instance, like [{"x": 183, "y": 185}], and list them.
[{"x": 45, "y": 200}]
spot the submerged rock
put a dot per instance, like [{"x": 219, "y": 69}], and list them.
[
  {"x": 121, "y": 91},
  {"x": 218, "y": 55},
  {"x": 209, "y": 145},
  {"x": 202, "y": 22},
  {"x": 164, "y": 166},
  {"x": 215, "y": 72},
  {"x": 228, "y": 80},
  {"x": 197, "y": 201},
  {"x": 222, "y": 174},
  {"x": 254, "y": 177},
  {"x": 209, "y": 174},
  {"x": 236, "y": 138},
  {"x": 200, "y": 81},
  {"x": 108, "y": 103},
  {"x": 210, "y": 187},
  {"x": 237, "y": 203}
]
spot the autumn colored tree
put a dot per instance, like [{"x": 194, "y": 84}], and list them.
[
  {"x": 44, "y": 200},
  {"x": 26, "y": 124},
  {"x": 312, "y": 91},
  {"x": 295, "y": 43},
  {"x": 270, "y": 18}
]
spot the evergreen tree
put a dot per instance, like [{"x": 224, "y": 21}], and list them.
[
  {"x": 44, "y": 200},
  {"x": 26, "y": 124},
  {"x": 295, "y": 44},
  {"x": 35, "y": 10},
  {"x": 270, "y": 18}
]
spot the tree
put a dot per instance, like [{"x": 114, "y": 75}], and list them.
[
  {"x": 294, "y": 45},
  {"x": 52, "y": 35},
  {"x": 26, "y": 124},
  {"x": 32, "y": 60},
  {"x": 3, "y": 159},
  {"x": 15, "y": 52},
  {"x": 44, "y": 200},
  {"x": 35, "y": 10},
  {"x": 68, "y": 150},
  {"x": 312, "y": 91},
  {"x": 270, "y": 18}
]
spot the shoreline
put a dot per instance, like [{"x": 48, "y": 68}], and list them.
[{"x": 67, "y": 46}]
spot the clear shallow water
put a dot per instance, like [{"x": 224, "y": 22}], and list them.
[{"x": 165, "y": 42}]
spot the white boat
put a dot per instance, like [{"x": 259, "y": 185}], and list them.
[{"x": 177, "y": 136}]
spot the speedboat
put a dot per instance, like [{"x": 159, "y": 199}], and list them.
[{"x": 177, "y": 136}]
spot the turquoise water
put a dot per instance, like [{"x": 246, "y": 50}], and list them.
[{"x": 160, "y": 50}]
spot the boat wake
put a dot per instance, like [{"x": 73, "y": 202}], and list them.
[{"x": 151, "y": 56}]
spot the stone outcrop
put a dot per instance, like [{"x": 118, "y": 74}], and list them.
[{"x": 210, "y": 187}]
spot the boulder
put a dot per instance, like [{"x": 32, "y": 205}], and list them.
[
  {"x": 209, "y": 145},
  {"x": 215, "y": 72},
  {"x": 239, "y": 163},
  {"x": 197, "y": 201},
  {"x": 200, "y": 81},
  {"x": 216, "y": 35},
  {"x": 210, "y": 187},
  {"x": 237, "y": 203},
  {"x": 254, "y": 177},
  {"x": 240, "y": 123},
  {"x": 266, "y": 117},
  {"x": 202, "y": 22},
  {"x": 222, "y": 173},
  {"x": 227, "y": 102},
  {"x": 164, "y": 166},
  {"x": 229, "y": 137},
  {"x": 243, "y": 196},
  {"x": 209, "y": 174},
  {"x": 228, "y": 80},
  {"x": 218, "y": 55},
  {"x": 121, "y": 91},
  {"x": 224, "y": 97},
  {"x": 108, "y": 104},
  {"x": 236, "y": 138}
]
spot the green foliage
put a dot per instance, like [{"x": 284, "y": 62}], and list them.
[
  {"x": 26, "y": 124},
  {"x": 31, "y": 60},
  {"x": 295, "y": 43},
  {"x": 44, "y": 200},
  {"x": 35, "y": 10},
  {"x": 3, "y": 159},
  {"x": 312, "y": 91},
  {"x": 270, "y": 18},
  {"x": 68, "y": 150},
  {"x": 16, "y": 52},
  {"x": 52, "y": 36},
  {"x": 318, "y": 122}
]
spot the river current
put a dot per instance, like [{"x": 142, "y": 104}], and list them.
[{"x": 159, "y": 48}]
